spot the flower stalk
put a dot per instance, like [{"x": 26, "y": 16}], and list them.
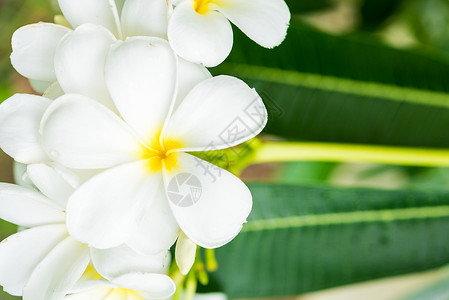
[{"x": 303, "y": 151}]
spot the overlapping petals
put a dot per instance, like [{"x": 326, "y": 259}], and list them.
[
  {"x": 79, "y": 62},
  {"x": 106, "y": 157},
  {"x": 199, "y": 30},
  {"x": 44, "y": 271},
  {"x": 44, "y": 262},
  {"x": 107, "y": 210},
  {"x": 34, "y": 46}
]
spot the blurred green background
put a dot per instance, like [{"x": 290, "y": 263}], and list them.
[{"x": 317, "y": 88}]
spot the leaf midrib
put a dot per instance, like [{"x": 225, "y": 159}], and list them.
[
  {"x": 368, "y": 216},
  {"x": 341, "y": 85}
]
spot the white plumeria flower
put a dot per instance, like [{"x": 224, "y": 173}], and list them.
[
  {"x": 43, "y": 262},
  {"x": 199, "y": 30},
  {"x": 80, "y": 65},
  {"x": 34, "y": 46},
  {"x": 136, "y": 200}
]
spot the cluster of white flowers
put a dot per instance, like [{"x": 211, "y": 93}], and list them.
[{"x": 110, "y": 182}]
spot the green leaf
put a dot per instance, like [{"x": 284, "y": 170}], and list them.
[
  {"x": 327, "y": 88},
  {"x": 305, "y": 172},
  {"x": 305, "y": 238}
]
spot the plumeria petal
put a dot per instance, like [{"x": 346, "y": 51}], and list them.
[
  {"x": 158, "y": 228},
  {"x": 145, "y": 18},
  {"x": 141, "y": 77},
  {"x": 216, "y": 205},
  {"x": 20, "y": 117},
  {"x": 264, "y": 21},
  {"x": 80, "y": 59},
  {"x": 112, "y": 263},
  {"x": 51, "y": 181},
  {"x": 34, "y": 50},
  {"x": 189, "y": 75},
  {"x": 80, "y": 133},
  {"x": 25, "y": 207},
  {"x": 58, "y": 272},
  {"x": 100, "y": 12},
  {"x": 156, "y": 286},
  {"x": 22, "y": 252},
  {"x": 185, "y": 253},
  {"x": 99, "y": 293},
  {"x": 105, "y": 210},
  {"x": 218, "y": 113},
  {"x": 205, "y": 39}
]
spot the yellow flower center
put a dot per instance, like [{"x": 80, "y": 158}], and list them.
[
  {"x": 204, "y": 6},
  {"x": 160, "y": 155},
  {"x": 91, "y": 273}
]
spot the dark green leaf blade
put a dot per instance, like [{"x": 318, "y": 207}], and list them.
[
  {"x": 327, "y": 88},
  {"x": 306, "y": 238}
]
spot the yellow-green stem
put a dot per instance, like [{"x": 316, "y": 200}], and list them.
[
  {"x": 211, "y": 260},
  {"x": 286, "y": 151}
]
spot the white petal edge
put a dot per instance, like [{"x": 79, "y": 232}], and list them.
[
  {"x": 90, "y": 280},
  {"x": 141, "y": 76},
  {"x": 22, "y": 252},
  {"x": 50, "y": 179},
  {"x": 264, "y": 21},
  {"x": 205, "y": 39},
  {"x": 80, "y": 133},
  {"x": 80, "y": 60},
  {"x": 218, "y": 113},
  {"x": 99, "y": 12},
  {"x": 105, "y": 210},
  {"x": 158, "y": 229},
  {"x": 97, "y": 293},
  {"x": 213, "y": 215},
  {"x": 33, "y": 50},
  {"x": 156, "y": 286},
  {"x": 114, "y": 262},
  {"x": 58, "y": 272},
  {"x": 20, "y": 117},
  {"x": 189, "y": 75},
  {"x": 28, "y": 208}
]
